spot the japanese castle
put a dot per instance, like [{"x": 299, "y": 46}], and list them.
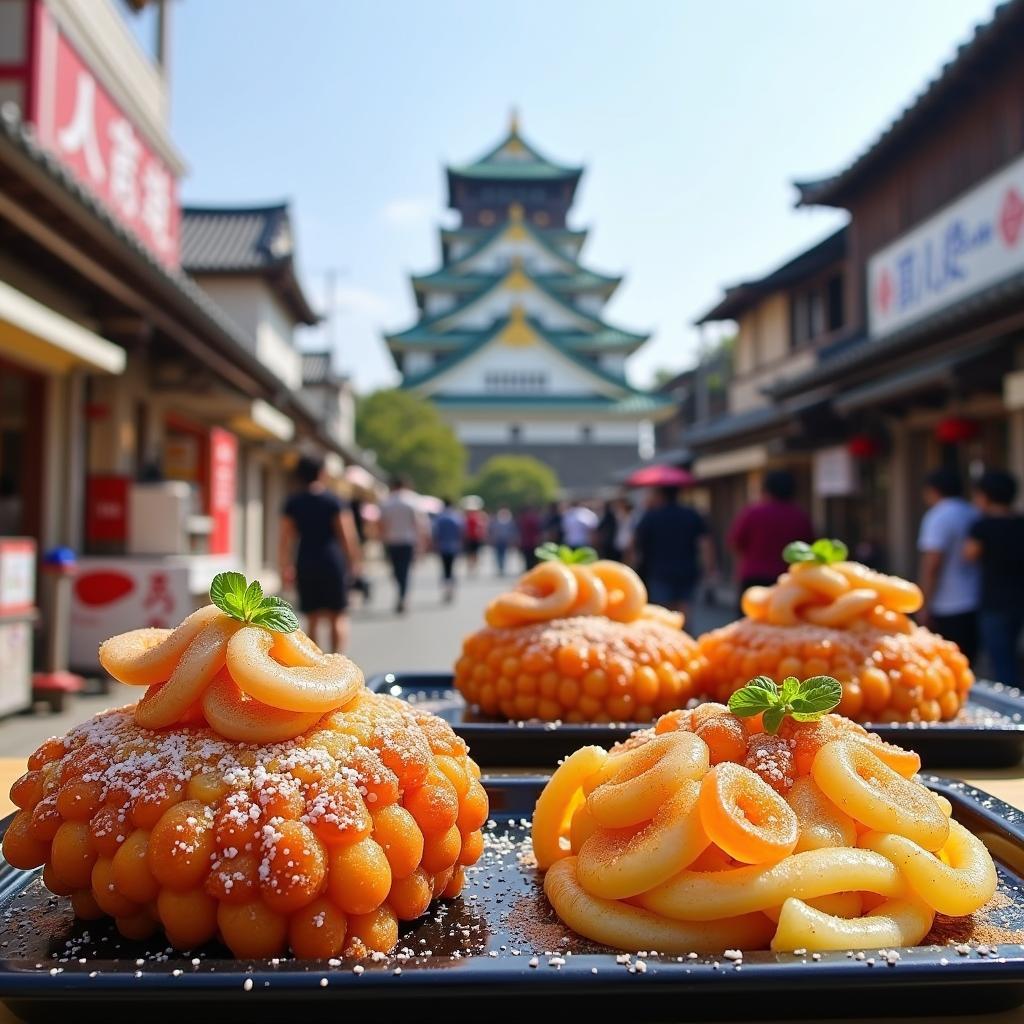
[{"x": 510, "y": 344}]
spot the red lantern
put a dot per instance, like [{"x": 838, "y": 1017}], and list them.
[
  {"x": 863, "y": 446},
  {"x": 956, "y": 430}
]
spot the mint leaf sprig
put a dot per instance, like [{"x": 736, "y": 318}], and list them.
[
  {"x": 246, "y": 602},
  {"x": 551, "y": 552},
  {"x": 823, "y": 551},
  {"x": 803, "y": 701}
]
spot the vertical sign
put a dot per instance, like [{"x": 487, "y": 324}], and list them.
[
  {"x": 81, "y": 123},
  {"x": 223, "y": 488}
]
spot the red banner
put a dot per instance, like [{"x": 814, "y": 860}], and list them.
[
  {"x": 223, "y": 476},
  {"x": 78, "y": 119},
  {"x": 106, "y": 509}
]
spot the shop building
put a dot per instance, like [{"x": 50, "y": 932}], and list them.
[
  {"x": 783, "y": 320},
  {"x": 897, "y": 344},
  {"x": 930, "y": 371},
  {"x": 511, "y": 344},
  {"x": 130, "y": 397}
]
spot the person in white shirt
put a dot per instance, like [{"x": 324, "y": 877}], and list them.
[
  {"x": 402, "y": 530},
  {"x": 950, "y": 583},
  {"x": 578, "y": 525}
]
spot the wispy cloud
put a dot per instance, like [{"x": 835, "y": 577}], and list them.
[{"x": 410, "y": 212}]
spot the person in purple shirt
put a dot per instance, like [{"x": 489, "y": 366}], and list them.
[{"x": 763, "y": 529}]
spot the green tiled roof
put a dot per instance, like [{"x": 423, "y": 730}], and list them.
[
  {"x": 595, "y": 322},
  {"x": 610, "y": 339},
  {"x": 540, "y": 235},
  {"x": 564, "y": 284},
  {"x": 474, "y": 235},
  {"x": 457, "y": 356},
  {"x": 534, "y": 166}
]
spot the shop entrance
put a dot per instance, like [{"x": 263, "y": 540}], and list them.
[{"x": 21, "y": 450}]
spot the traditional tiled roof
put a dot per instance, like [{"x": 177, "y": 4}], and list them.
[
  {"x": 245, "y": 240},
  {"x": 1000, "y": 39},
  {"x": 611, "y": 339},
  {"x": 514, "y": 159},
  {"x": 557, "y": 236},
  {"x": 599, "y": 373},
  {"x": 741, "y": 297},
  {"x": 567, "y": 284},
  {"x": 316, "y": 368},
  {"x": 594, "y": 323}
]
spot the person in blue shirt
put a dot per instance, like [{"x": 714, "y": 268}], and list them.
[
  {"x": 950, "y": 583},
  {"x": 449, "y": 536}
]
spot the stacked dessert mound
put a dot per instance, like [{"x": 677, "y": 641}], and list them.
[
  {"x": 710, "y": 832},
  {"x": 830, "y": 615},
  {"x": 257, "y": 794},
  {"x": 576, "y": 640}
]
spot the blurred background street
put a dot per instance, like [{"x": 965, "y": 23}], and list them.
[{"x": 427, "y": 639}]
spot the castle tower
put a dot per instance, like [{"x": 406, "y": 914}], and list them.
[{"x": 511, "y": 345}]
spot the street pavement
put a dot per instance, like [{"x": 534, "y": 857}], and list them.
[{"x": 427, "y": 637}]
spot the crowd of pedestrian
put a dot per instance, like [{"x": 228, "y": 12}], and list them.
[{"x": 971, "y": 567}]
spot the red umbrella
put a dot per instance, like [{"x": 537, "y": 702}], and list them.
[{"x": 660, "y": 476}]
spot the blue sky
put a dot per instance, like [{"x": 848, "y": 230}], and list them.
[{"x": 692, "y": 118}]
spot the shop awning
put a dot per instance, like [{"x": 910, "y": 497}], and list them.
[
  {"x": 891, "y": 386},
  {"x": 35, "y": 335},
  {"x": 260, "y": 420},
  {"x": 739, "y": 460}
]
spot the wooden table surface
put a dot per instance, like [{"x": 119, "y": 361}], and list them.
[{"x": 1007, "y": 784}]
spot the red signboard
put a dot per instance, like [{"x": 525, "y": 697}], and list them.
[
  {"x": 78, "y": 119},
  {"x": 106, "y": 503},
  {"x": 223, "y": 475}
]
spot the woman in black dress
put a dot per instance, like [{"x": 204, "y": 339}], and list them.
[{"x": 318, "y": 532}]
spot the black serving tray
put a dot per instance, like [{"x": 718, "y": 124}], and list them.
[
  {"x": 988, "y": 734},
  {"x": 494, "y": 955}
]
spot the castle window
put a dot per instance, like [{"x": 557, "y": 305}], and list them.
[
  {"x": 586, "y": 433},
  {"x": 515, "y": 433},
  {"x": 515, "y": 382}
]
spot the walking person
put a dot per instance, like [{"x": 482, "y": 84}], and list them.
[
  {"x": 552, "y": 524},
  {"x": 578, "y": 525},
  {"x": 449, "y": 530},
  {"x": 502, "y": 535},
  {"x": 673, "y": 549},
  {"x": 531, "y": 535},
  {"x": 318, "y": 550},
  {"x": 401, "y": 531},
  {"x": 996, "y": 544},
  {"x": 475, "y": 533},
  {"x": 950, "y": 583},
  {"x": 762, "y": 529}
]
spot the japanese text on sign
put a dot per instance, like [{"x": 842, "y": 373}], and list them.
[
  {"x": 92, "y": 136},
  {"x": 976, "y": 241}
]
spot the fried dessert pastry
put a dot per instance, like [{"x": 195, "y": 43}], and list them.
[
  {"x": 576, "y": 641},
  {"x": 830, "y": 615},
  {"x": 747, "y": 829},
  {"x": 257, "y": 795}
]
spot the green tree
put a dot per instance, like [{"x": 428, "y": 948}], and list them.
[
  {"x": 409, "y": 438},
  {"x": 516, "y": 481}
]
